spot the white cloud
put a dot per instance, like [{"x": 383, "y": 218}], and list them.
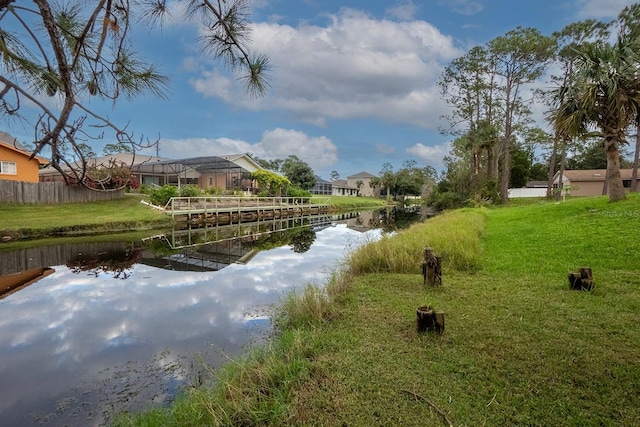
[
  {"x": 430, "y": 155},
  {"x": 318, "y": 152},
  {"x": 602, "y": 8},
  {"x": 214, "y": 84},
  {"x": 354, "y": 67},
  {"x": 403, "y": 11}
]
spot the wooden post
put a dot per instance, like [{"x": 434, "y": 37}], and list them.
[
  {"x": 431, "y": 268},
  {"x": 581, "y": 281},
  {"x": 430, "y": 320}
]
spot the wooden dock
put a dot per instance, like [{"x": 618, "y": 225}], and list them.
[{"x": 225, "y": 210}]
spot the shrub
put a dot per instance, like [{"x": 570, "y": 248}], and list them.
[
  {"x": 190, "y": 190},
  {"x": 162, "y": 195},
  {"x": 297, "y": 192},
  {"x": 215, "y": 191}
]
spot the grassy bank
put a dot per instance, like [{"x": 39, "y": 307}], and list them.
[
  {"x": 342, "y": 203},
  {"x": 20, "y": 222},
  {"x": 519, "y": 346},
  {"x": 28, "y": 222}
]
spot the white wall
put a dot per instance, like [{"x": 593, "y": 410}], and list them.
[{"x": 515, "y": 193}]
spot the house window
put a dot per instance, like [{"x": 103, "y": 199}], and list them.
[
  {"x": 626, "y": 183},
  {"x": 8, "y": 168}
]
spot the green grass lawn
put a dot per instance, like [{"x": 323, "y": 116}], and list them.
[
  {"x": 349, "y": 202},
  {"x": 128, "y": 209},
  {"x": 519, "y": 348},
  {"x": 25, "y": 221}
]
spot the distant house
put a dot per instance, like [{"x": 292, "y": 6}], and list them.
[
  {"x": 361, "y": 181},
  {"x": 49, "y": 174},
  {"x": 15, "y": 161},
  {"x": 322, "y": 187},
  {"x": 229, "y": 172},
  {"x": 589, "y": 182},
  {"x": 340, "y": 187}
]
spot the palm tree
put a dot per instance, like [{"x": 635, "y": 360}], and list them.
[{"x": 603, "y": 94}]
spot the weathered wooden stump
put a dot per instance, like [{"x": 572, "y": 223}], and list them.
[
  {"x": 431, "y": 268},
  {"x": 581, "y": 281},
  {"x": 430, "y": 320}
]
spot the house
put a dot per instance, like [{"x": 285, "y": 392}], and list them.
[
  {"x": 589, "y": 182},
  {"x": 322, "y": 187},
  {"x": 49, "y": 174},
  {"x": 16, "y": 163},
  {"x": 340, "y": 187},
  {"x": 229, "y": 172},
  {"x": 362, "y": 182}
]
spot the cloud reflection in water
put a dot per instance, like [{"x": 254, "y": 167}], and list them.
[{"x": 83, "y": 338}]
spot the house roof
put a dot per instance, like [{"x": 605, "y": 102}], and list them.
[
  {"x": 204, "y": 165},
  {"x": 118, "y": 158},
  {"x": 237, "y": 157},
  {"x": 11, "y": 143},
  {"x": 340, "y": 183},
  {"x": 593, "y": 175},
  {"x": 361, "y": 175},
  {"x": 322, "y": 181}
]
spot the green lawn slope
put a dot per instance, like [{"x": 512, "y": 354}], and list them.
[{"x": 519, "y": 347}]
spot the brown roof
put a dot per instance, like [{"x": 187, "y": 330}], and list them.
[
  {"x": 593, "y": 174},
  {"x": 11, "y": 143},
  {"x": 361, "y": 175}
]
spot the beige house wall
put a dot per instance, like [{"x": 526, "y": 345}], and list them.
[
  {"x": 365, "y": 189},
  {"x": 586, "y": 188},
  {"x": 213, "y": 181}
]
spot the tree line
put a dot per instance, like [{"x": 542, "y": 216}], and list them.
[{"x": 591, "y": 98}]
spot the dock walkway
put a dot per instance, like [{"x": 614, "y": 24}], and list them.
[{"x": 231, "y": 210}]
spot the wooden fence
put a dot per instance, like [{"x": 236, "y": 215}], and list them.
[{"x": 51, "y": 192}]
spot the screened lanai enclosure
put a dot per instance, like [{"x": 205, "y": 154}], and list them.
[{"x": 226, "y": 173}]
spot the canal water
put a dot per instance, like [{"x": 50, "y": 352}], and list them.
[{"x": 93, "y": 328}]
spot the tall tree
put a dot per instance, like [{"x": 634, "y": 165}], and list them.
[
  {"x": 629, "y": 23},
  {"x": 604, "y": 93},
  {"x": 74, "y": 51},
  {"x": 299, "y": 172},
  {"x": 387, "y": 178},
  {"x": 569, "y": 39},
  {"x": 468, "y": 86},
  {"x": 519, "y": 57}
]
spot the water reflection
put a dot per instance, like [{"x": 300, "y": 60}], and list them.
[{"x": 123, "y": 325}]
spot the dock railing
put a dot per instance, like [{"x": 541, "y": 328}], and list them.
[{"x": 217, "y": 204}]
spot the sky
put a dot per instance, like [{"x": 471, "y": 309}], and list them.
[{"x": 352, "y": 84}]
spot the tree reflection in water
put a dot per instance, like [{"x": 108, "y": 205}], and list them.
[{"x": 117, "y": 262}]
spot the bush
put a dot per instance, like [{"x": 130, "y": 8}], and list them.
[
  {"x": 297, "y": 192},
  {"x": 145, "y": 189},
  {"x": 215, "y": 191},
  {"x": 446, "y": 200},
  {"x": 190, "y": 190},
  {"x": 162, "y": 195}
]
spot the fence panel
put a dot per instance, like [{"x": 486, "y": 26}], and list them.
[{"x": 51, "y": 192}]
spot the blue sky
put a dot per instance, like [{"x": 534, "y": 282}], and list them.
[{"x": 352, "y": 84}]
